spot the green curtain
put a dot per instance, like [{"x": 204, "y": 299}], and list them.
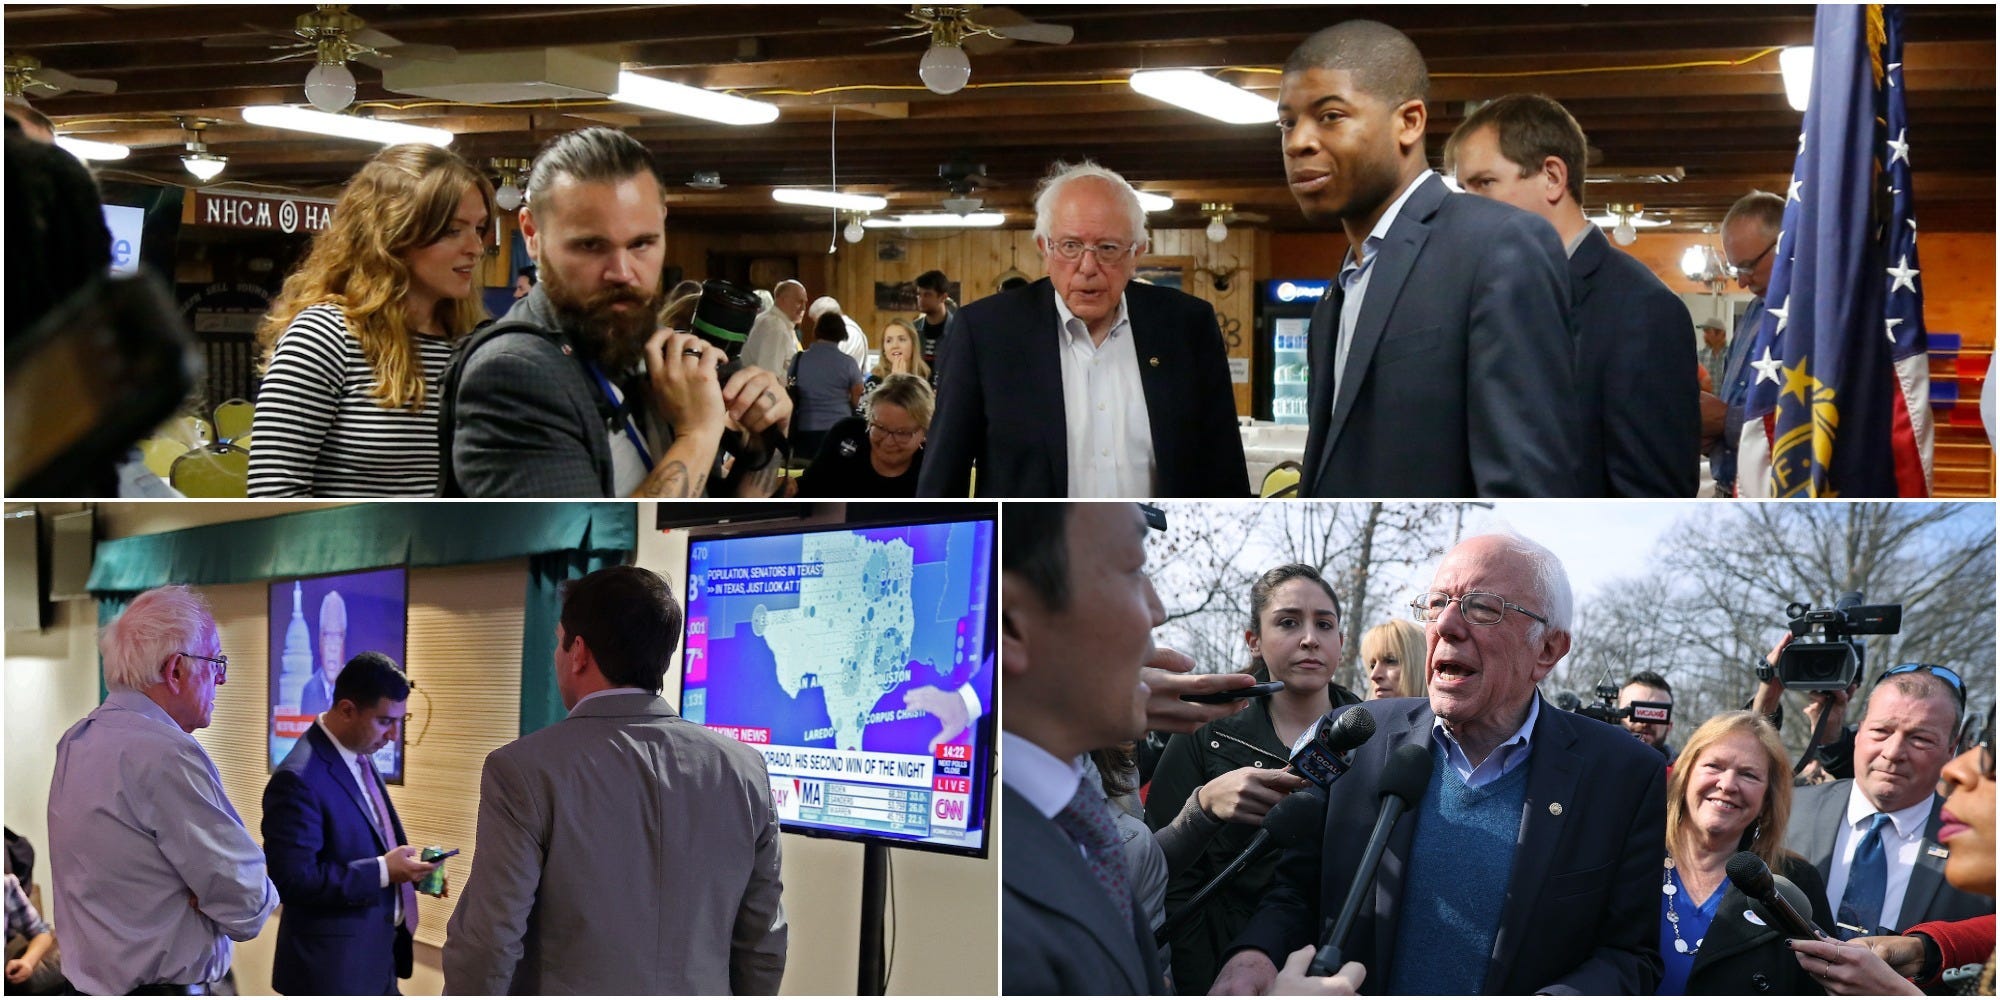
[
  {"x": 109, "y": 607},
  {"x": 561, "y": 541}
]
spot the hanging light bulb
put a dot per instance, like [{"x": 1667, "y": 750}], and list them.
[
  {"x": 508, "y": 197},
  {"x": 853, "y": 232},
  {"x": 330, "y": 86},
  {"x": 1694, "y": 262},
  {"x": 1625, "y": 235},
  {"x": 1217, "y": 232},
  {"x": 945, "y": 68},
  {"x": 198, "y": 160}
]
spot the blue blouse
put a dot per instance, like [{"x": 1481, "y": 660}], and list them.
[{"x": 1694, "y": 921}]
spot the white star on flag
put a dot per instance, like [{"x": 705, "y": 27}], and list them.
[
  {"x": 1904, "y": 274},
  {"x": 1792, "y": 193},
  {"x": 1890, "y": 74},
  {"x": 1780, "y": 312},
  {"x": 1802, "y": 144},
  {"x": 1899, "y": 149},
  {"x": 1894, "y": 322},
  {"x": 1767, "y": 369}
]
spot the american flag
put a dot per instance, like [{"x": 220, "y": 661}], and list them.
[{"x": 1840, "y": 405}]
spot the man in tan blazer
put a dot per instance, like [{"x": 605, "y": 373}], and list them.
[{"x": 623, "y": 850}]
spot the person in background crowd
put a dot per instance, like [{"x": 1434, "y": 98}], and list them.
[
  {"x": 856, "y": 344},
  {"x": 1713, "y": 354},
  {"x": 1235, "y": 767},
  {"x": 1896, "y": 965},
  {"x": 354, "y": 346},
  {"x": 524, "y": 282},
  {"x": 1648, "y": 686},
  {"x": 1086, "y": 383},
  {"x": 153, "y": 871},
  {"x": 878, "y": 455},
  {"x": 774, "y": 337},
  {"x": 33, "y": 967},
  {"x": 1730, "y": 791},
  {"x": 1392, "y": 654},
  {"x": 1638, "y": 416},
  {"x": 1749, "y": 240},
  {"x": 899, "y": 355},
  {"x": 1449, "y": 323},
  {"x": 829, "y": 383},
  {"x": 935, "y": 310}
]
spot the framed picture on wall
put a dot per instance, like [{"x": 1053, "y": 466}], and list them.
[
  {"x": 316, "y": 625},
  {"x": 1166, "y": 272}
]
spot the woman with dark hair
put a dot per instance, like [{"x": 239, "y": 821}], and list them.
[
  {"x": 355, "y": 344},
  {"x": 878, "y": 455},
  {"x": 1234, "y": 767},
  {"x": 828, "y": 381},
  {"x": 1729, "y": 791}
]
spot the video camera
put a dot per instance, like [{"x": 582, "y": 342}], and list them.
[
  {"x": 1832, "y": 662},
  {"x": 1606, "y": 708}
]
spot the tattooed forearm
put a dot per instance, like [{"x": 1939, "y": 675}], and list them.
[{"x": 672, "y": 479}]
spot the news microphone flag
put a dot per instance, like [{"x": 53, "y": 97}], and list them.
[{"x": 1840, "y": 405}]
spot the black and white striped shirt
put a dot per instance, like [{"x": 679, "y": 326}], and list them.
[{"x": 319, "y": 430}]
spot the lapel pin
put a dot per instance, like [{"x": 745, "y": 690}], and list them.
[
  {"x": 1155, "y": 362},
  {"x": 1938, "y": 851},
  {"x": 1555, "y": 809},
  {"x": 1751, "y": 916},
  {"x": 566, "y": 351}
]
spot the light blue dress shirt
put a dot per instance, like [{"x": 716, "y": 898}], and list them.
[
  {"x": 152, "y": 869},
  {"x": 1354, "y": 277},
  {"x": 1504, "y": 758}
]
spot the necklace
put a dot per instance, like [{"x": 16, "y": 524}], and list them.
[{"x": 1671, "y": 890}]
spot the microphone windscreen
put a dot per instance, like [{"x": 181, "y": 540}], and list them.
[
  {"x": 1407, "y": 773},
  {"x": 1297, "y": 819},
  {"x": 1354, "y": 727},
  {"x": 1749, "y": 874}
]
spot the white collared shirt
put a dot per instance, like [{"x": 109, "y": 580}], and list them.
[
  {"x": 1504, "y": 758},
  {"x": 352, "y": 758},
  {"x": 1104, "y": 409},
  {"x": 1047, "y": 782},
  {"x": 1354, "y": 277},
  {"x": 1902, "y": 838}
]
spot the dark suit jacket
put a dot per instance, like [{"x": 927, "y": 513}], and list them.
[
  {"x": 1059, "y": 934},
  {"x": 337, "y": 933},
  {"x": 1637, "y": 391},
  {"x": 1582, "y": 912},
  {"x": 1460, "y": 378},
  {"x": 1000, "y": 399},
  {"x": 1817, "y": 814},
  {"x": 1739, "y": 958}
]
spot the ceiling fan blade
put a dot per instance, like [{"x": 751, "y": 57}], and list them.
[
  {"x": 262, "y": 38},
  {"x": 379, "y": 60},
  {"x": 1036, "y": 31},
  {"x": 428, "y": 53},
  {"x": 63, "y": 81},
  {"x": 370, "y": 38},
  {"x": 1252, "y": 217},
  {"x": 300, "y": 54},
  {"x": 899, "y": 38}
]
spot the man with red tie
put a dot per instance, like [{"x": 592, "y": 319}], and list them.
[{"x": 336, "y": 849}]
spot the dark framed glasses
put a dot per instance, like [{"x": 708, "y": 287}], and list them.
[
  {"x": 221, "y": 664},
  {"x": 1977, "y": 734}
]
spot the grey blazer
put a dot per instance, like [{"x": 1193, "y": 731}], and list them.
[
  {"x": 1059, "y": 933},
  {"x": 623, "y": 850},
  {"x": 1817, "y": 813}
]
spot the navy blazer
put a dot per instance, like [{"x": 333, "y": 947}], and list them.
[
  {"x": 1460, "y": 377},
  {"x": 1639, "y": 396},
  {"x": 1000, "y": 398},
  {"x": 1059, "y": 933},
  {"x": 337, "y": 932},
  {"x": 1582, "y": 912}
]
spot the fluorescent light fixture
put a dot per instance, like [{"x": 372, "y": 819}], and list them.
[
  {"x": 936, "y": 220},
  {"x": 343, "y": 126},
  {"x": 1154, "y": 202},
  {"x": 694, "y": 102},
  {"x": 1796, "y": 64},
  {"x": 1205, "y": 95},
  {"x": 1637, "y": 221},
  {"x": 85, "y": 149},
  {"x": 829, "y": 199}
]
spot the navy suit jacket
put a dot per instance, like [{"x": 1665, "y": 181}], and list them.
[
  {"x": 1059, "y": 933},
  {"x": 337, "y": 933},
  {"x": 1583, "y": 903},
  {"x": 1460, "y": 377},
  {"x": 1000, "y": 398},
  {"x": 1638, "y": 393}
]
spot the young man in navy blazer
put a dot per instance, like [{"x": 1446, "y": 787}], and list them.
[{"x": 335, "y": 846}]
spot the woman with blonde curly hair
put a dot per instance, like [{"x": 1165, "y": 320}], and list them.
[{"x": 355, "y": 345}]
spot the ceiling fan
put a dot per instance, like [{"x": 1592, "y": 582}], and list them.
[
  {"x": 26, "y": 73},
  {"x": 962, "y": 179},
  {"x": 1222, "y": 215},
  {"x": 954, "y": 31},
  {"x": 333, "y": 35}
]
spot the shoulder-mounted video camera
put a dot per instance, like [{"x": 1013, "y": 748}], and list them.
[
  {"x": 1833, "y": 660},
  {"x": 1607, "y": 709}
]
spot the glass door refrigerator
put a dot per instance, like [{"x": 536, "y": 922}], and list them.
[{"x": 1284, "y": 309}]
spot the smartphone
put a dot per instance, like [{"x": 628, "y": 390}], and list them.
[
  {"x": 431, "y": 854},
  {"x": 432, "y": 884},
  {"x": 1253, "y": 691}
]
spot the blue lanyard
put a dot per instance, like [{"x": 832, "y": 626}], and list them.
[{"x": 631, "y": 429}]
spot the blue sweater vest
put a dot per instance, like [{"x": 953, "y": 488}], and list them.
[{"x": 1459, "y": 867}]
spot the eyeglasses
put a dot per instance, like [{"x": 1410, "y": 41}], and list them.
[
  {"x": 1107, "y": 254},
  {"x": 1977, "y": 734},
  {"x": 1741, "y": 271},
  {"x": 875, "y": 428},
  {"x": 1478, "y": 607},
  {"x": 221, "y": 664},
  {"x": 1945, "y": 674}
]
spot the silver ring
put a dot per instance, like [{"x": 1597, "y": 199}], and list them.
[{"x": 691, "y": 352}]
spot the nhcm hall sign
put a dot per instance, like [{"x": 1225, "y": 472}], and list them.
[{"x": 249, "y": 211}]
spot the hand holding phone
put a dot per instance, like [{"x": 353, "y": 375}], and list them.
[{"x": 1264, "y": 690}]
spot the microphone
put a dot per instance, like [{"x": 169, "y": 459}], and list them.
[
  {"x": 1293, "y": 822},
  {"x": 1404, "y": 779},
  {"x": 1319, "y": 756},
  {"x": 1753, "y": 878}
]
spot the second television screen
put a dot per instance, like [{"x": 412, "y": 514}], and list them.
[{"x": 855, "y": 659}]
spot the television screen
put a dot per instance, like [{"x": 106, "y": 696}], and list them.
[
  {"x": 317, "y": 625},
  {"x": 856, "y": 660}
]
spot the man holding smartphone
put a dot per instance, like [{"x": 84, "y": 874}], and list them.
[{"x": 336, "y": 848}]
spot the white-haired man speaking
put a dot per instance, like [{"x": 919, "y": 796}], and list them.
[{"x": 1084, "y": 384}]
